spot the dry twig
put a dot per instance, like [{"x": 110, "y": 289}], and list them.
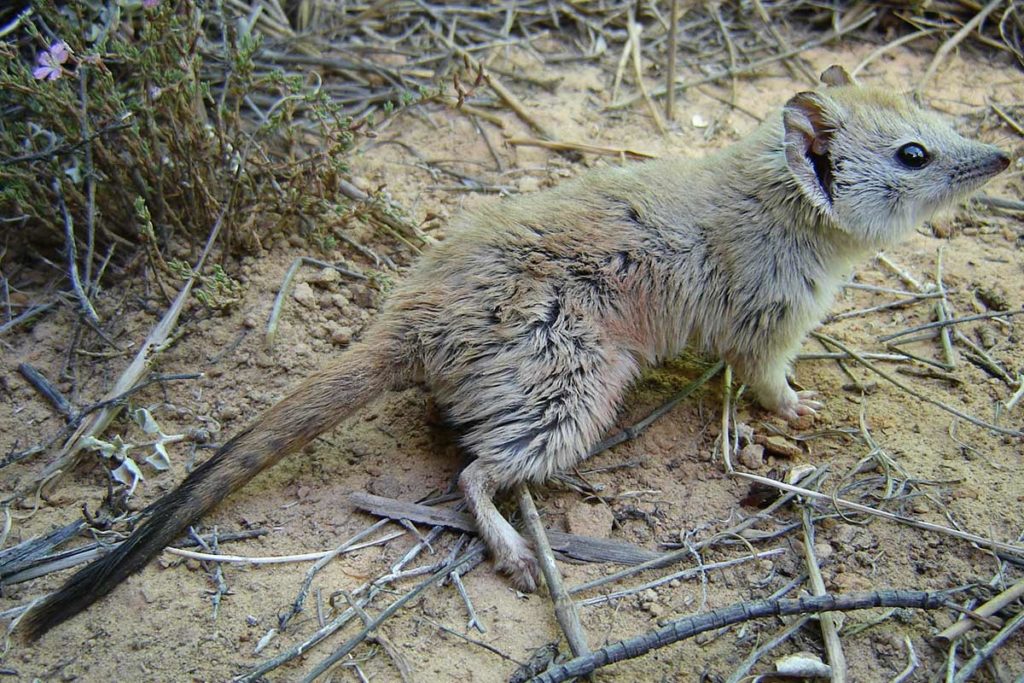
[
  {"x": 829, "y": 632},
  {"x": 355, "y": 640},
  {"x": 955, "y": 40},
  {"x": 688, "y": 627},
  {"x": 1012, "y": 550},
  {"x": 565, "y": 609},
  {"x": 1008, "y": 596},
  {"x": 913, "y": 392}
]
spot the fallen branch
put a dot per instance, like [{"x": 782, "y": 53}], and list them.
[
  {"x": 687, "y": 627},
  {"x": 829, "y": 630},
  {"x": 582, "y": 548}
]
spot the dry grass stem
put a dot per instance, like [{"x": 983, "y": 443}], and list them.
[
  {"x": 756, "y": 66},
  {"x": 986, "y": 651},
  {"x": 889, "y": 47},
  {"x": 840, "y": 355},
  {"x": 638, "y": 74},
  {"x": 996, "y": 314},
  {"x": 723, "y": 437},
  {"x": 742, "y": 671},
  {"x": 385, "y": 614},
  {"x": 942, "y": 312},
  {"x": 829, "y": 632},
  {"x": 634, "y": 430},
  {"x": 670, "y": 73},
  {"x": 912, "y": 662},
  {"x": 286, "y": 284},
  {"x": 913, "y": 392},
  {"x": 307, "y": 581},
  {"x": 951, "y": 44},
  {"x": 683, "y": 575},
  {"x": 564, "y": 146},
  {"x": 1008, "y": 596},
  {"x": 284, "y": 559},
  {"x": 687, "y": 552},
  {"x": 900, "y": 272},
  {"x": 565, "y": 609},
  {"x": 1013, "y": 550}
]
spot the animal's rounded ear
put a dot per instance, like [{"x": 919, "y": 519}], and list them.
[
  {"x": 807, "y": 138},
  {"x": 836, "y": 75}
]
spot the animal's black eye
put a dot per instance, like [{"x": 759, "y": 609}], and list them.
[{"x": 913, "y": 155}]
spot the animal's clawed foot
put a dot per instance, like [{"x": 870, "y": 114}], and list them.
[
  {"x": 521, "y": 566},
  {"x": 798, "y": 405}
]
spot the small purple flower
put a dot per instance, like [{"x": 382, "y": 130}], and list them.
[
  {"x": 51, "y": 62},
  {"x": 150, "y": 4}
]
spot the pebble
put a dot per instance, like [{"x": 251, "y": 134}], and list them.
[
  {"x": 779, "y": 446},
  {"x": 303, "y": 294},
  {"x": 655, "y": 609},
  {"x": 326, "y": 276},
  {"x": 364, "y": 297},
  {"x": 751, "y": 456},
  {"x": 227, "y": 412},
  {"x": 803, "y": 665},
  {"x": 341, "y": 335}
]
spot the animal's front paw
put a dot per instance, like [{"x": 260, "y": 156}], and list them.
[
  {"x": 798, "y": 404},
  {"x": 521, "y": 566}
]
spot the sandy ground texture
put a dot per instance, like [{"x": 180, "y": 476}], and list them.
[{"x": 665, "y": 487}]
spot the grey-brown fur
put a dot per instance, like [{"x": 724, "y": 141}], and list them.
[{"x": 532, "y": 319}]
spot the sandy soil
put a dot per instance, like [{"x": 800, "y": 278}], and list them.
[{"x": 662, "y": 487}]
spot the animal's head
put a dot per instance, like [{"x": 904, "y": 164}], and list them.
[{"x": 876, "y": 164}]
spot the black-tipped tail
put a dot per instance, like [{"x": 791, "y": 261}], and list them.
[
  {"x": 168, "y": 517},
  {"x": 315, "y": 406}
]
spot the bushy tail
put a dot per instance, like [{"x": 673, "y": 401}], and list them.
[{"x": 317, "y": 405}]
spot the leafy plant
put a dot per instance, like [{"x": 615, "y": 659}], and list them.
[
  {"x": 118, "y": 451},
  {"x": 109, "y": 105}
]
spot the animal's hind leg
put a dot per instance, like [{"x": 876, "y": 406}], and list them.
[
  {"x": 511, "y": 553},
  {"x": 535, "y": 419}
]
